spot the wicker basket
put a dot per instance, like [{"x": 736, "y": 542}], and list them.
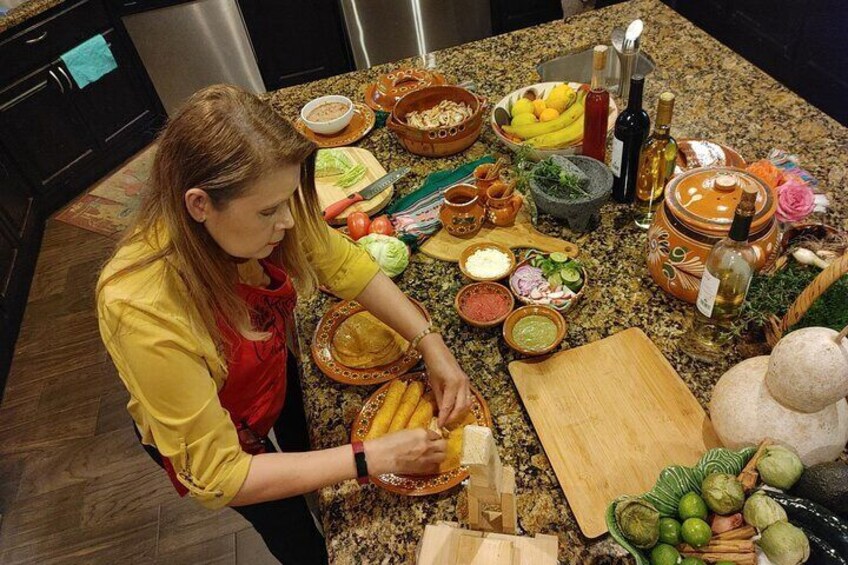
[{"x": 776, "y": 327}]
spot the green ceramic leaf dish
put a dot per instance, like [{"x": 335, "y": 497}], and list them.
[{"x": 674, "y": 482}]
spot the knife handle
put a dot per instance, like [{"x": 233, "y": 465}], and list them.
[{"x": 337, "y": 208}]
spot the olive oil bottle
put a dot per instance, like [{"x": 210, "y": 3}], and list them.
[
  {"x": 656, "y": 163},
  {"x": 728, "y": 271}
]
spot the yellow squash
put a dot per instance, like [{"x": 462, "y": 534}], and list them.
[
  {"x": 408, "y": 403},
  {"x": 384, "y": 415}
]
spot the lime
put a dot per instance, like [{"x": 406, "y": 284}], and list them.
[
  {"x": 669, "y": 531},
  {"x": 664, "y": 554},
  {"x": 696, "y": 532},
  {"x": 692, "y": 506},
  {"x": 558, "y": 257},
  {"x": 692, "y": 561}
]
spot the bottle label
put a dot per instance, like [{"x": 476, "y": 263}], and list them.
[
  {"x": 707, "y": 293},
  {"x": 615, "y": 160}
]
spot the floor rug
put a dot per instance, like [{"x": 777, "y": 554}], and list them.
[{"x": 109, "y": 207}]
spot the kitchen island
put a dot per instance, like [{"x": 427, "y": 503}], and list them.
[{"x": 720, "y": 97}]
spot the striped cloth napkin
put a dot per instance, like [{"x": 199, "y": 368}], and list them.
[{"x": 416, "y": 216}]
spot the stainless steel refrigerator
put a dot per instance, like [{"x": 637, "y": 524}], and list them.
[{"x": 381, "y": 31}]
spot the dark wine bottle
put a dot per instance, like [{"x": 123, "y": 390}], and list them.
[{"x": 631, "y": 129}]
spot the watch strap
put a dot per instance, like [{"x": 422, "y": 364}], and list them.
[{"x": 361, "y": 464}]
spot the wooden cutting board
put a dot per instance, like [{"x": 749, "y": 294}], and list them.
[
  {"x": 521, "y": 235},
  {"x": 611, "y": 415},
  {"x": 329, "y": 193}
]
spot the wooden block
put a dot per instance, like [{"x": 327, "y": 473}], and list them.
[
  {"x": 438, "y": 545},
  {"x": 473, "y": 512},
  {"x": 484, "y": 551},
  {"x": 485, "y": 495},
  {"x": 509, "y": 521}
]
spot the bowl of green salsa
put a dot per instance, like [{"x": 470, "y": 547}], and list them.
[{"x": 534, "y": 330}]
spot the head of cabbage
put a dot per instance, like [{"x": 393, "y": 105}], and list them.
[{"x": 390, "y": 253}]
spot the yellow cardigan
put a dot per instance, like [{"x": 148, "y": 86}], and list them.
[{"x": 173, "y": 371}]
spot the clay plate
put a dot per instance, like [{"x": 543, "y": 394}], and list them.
[
  {"x": 531, "y": 302},
  {"x": 323, "y": 356},
  {"x": 360, "y": 124},
  {"x": 415, "y": 485}
]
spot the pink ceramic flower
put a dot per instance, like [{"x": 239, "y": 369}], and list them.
[{"x": 795, "y": 201}]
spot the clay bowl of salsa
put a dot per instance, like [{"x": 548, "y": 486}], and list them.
[
  {"x": 484, "y": 304},
  {"x": 328, "y": 114},
  {"x": 534, "y": 330}
]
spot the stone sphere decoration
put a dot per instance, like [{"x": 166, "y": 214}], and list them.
[{"x": 745, "y": 409}]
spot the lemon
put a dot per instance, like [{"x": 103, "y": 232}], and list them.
[
  {"x": 524, "y": 119},
  {"x": 548, "y": 114},
  {"x": 560, "y": 98},
  {"x": 522, "y": 106},
  {"x": 538, "y": 107}
]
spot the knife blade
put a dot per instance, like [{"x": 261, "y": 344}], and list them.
[{"x": 367, "y": 193}]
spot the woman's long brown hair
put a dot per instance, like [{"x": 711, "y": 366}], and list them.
[{"x": 222, "y": 140}]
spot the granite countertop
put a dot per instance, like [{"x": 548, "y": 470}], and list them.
[
  {"x": 720, "y": 96},
  {"x": 23, "y": 12}
]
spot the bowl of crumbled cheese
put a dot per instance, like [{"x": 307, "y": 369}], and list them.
[{"x": 486, "y": 261}]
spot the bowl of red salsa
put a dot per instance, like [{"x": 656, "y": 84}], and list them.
[{"x": 484, "y": 304}]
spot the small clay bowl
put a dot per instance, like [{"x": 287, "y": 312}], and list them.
[
  {"x": 469, "y": 251},
  {"x": 523, "y": 312},
  {"x": 474, "y": 288}
]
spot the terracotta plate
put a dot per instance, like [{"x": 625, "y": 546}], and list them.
[
  {"x": 323, "y": 355},
  {"x": 360, "y": 124},
  {"x": 415, "y": 485}
]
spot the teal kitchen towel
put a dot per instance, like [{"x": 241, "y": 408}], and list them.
[{"x": 89, "y": 61}]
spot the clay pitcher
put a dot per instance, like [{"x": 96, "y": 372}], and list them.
[
  {"x": 462, "y": 214},
  {"x": 501, "y": 211}
]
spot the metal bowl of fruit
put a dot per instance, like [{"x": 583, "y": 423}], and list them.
[
  {"x": 547, "y": 117},
  {"x": 549, "y": 279}
]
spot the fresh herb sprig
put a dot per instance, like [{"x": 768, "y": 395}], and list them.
[{"x": 556, "y": 181}]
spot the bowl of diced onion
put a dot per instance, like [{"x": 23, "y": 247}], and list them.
[
  {"x": 486, "y": 261},
  {"x": 549, "y": 279}
]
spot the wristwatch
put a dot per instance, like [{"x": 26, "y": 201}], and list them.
[{"x": 361, "y": 464}]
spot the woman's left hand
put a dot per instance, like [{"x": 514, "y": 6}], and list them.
[{"x": 450, "y": 383}]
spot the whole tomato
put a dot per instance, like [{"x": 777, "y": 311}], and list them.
[
  {"x": 358, "y": 224},
  {"x": 382, "y": 225}
]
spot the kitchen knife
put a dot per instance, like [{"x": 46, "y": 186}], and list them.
[{"x": 366, "y": 193}]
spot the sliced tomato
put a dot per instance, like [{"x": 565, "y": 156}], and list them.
[
  {"x": 358, "y": 224},
  {"x": 382, "y": 225}
]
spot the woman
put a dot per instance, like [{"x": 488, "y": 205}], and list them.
[{"x": 196, "y": 305}]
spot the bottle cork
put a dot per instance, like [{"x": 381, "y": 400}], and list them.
[
  {"x": 665, "y": 107},
  {"x": 599, "y": 57}
]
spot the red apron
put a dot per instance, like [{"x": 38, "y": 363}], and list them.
[{"x": 255, "y": 389}]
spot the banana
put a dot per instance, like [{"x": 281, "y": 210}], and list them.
[
  {"x": 530, "y": 131},
  {"x": 560, "y": 138}
]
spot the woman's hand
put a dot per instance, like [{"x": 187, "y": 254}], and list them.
[
  {"x": 448, "y": 380},
  {"x": 411, "y": 452}
]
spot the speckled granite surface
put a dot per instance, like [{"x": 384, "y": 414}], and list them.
[
  {"x": 21, "y": 13},
  {"x": 719, "y": 96}
]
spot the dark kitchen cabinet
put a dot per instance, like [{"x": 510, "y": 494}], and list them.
[
  {"x": 56, "y": 139},
  {"x": 43, "y": 130},
  {"x": 509, "y": 15},
  {"x": 297, "y": 41}
]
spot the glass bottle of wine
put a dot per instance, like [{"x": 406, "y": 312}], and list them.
[
  {"x": 728, "y": 271},
  {"x": 631, "y": 129},
  {"x": 596, "y": 108},
  {"x": 656, "y": 163}
]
